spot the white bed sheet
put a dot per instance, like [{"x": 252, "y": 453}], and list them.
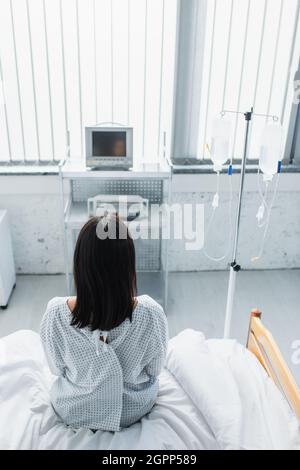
[{"x": 213, "y": 395}]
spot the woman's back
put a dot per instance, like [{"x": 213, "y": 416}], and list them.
[{"x": 105, "y": 385}]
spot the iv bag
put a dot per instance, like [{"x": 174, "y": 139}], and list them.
[
  {"x": 220, "y": 139},
  {"x": 270, "y": 150}
]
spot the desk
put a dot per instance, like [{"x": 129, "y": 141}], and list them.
[{"x": 153, "y": 182}]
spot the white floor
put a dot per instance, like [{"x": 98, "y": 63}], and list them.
[{"x": 196, "y": 300}]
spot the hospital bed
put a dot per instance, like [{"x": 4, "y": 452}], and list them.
[
  {"x": 214, "y": 394},
  {"x": 261, "y": 343}
]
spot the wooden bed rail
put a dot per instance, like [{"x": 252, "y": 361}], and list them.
[{"x": 261, "y": 343}]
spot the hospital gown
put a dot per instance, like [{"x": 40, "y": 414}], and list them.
[{"x": 102, "y": 385}]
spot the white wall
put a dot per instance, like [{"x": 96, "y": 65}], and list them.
[
  {"x": 282, "y": 249},
  {"x": 34, "y": 210}
]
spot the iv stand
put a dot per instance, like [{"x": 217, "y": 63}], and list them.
[{"x": 234, "y": 266}]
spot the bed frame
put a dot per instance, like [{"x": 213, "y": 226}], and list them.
[{"x": 261, "y": 343}]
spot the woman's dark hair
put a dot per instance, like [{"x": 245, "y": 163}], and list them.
[{"x": 104, "y": 274}]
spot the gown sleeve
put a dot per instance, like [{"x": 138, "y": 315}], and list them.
[
  {"x": 50, "y": 339},
  {"x": 158, "y": 344}
]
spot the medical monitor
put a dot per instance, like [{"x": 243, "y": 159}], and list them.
[{"x": 108, "y": 147}]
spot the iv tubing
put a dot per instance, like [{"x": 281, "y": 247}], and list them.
[
  {"x": 267, "y": 223},
  {"x": 221, "y": 258}
]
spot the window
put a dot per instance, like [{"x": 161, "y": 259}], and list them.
[
  {"x": 249, "y": 56},
  {"x": 66, "y": 64}
]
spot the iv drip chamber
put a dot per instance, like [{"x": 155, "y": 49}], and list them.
[
  {"x": 220, "y": 140},
  {"x": 270, "y": 150}
]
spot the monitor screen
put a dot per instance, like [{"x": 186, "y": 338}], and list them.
[{"x": 109, "y": 144}]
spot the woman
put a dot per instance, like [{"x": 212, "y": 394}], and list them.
[{"x": 106, "y": 345}]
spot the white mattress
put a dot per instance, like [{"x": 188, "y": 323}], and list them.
[{"x": 213, "y": 395}]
